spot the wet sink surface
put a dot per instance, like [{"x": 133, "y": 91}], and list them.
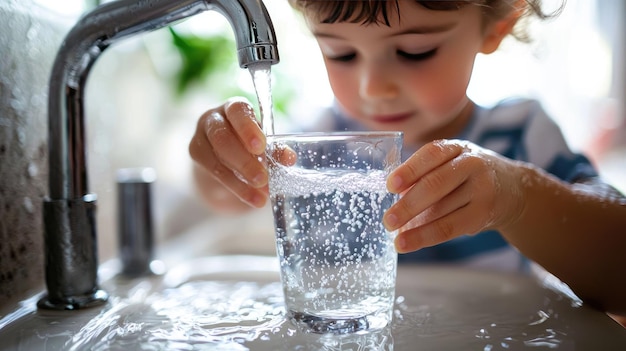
[{"x": 235, "y": 303}]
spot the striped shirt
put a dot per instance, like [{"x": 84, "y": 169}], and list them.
[{"x": 518, "y": 129}]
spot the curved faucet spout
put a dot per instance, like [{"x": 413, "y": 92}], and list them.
[{"x": 69, "y": 209}]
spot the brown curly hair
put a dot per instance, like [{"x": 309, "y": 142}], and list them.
[{"x": 377, "y": 11}]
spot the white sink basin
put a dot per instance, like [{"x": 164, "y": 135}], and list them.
[
  {"x": 201, "y": 301},
  {"x": 234, "y": 302}
]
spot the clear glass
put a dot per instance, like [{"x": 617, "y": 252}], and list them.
[{"x": 338, "y": 263}]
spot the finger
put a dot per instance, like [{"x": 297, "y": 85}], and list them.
[
  {"x": 460, "y": 197},
  {"x": 422, "y": 162},
  {"x": 230, "y": 152},
  {"x": 219, "y": 196},
  {"x": 428, "y": 190},
  {"x": 199, "y": 146},
  {"x": 283, "y": 154},
  {"x": 255, "y": 197},
  {"x": 460, "y": 222},
  {"x": 241, "y": 117}
]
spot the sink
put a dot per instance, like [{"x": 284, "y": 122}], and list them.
[
  {"x": 235, "y": 302},
  {"x": 230, "y": 302},
  {"x": 208, "y": 264},
  {"x": 202, "y": 301},
  {"x": 215, "y": 291}
]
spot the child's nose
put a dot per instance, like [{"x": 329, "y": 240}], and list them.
[{"x": 377, "y": 82}]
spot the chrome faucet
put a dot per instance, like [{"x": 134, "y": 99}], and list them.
[{"x": 70, "y": 209}]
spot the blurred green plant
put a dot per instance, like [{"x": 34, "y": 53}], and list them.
[
  {"x": 202, "y": 57},
  {"x": 212, "y": 61}
]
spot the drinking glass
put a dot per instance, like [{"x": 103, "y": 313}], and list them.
[{"x": 337, "y": 261}]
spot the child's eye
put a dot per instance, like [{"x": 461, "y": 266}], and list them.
[
  {"x": 343, "y": 58},
  {"x": 419, "y": 56}
]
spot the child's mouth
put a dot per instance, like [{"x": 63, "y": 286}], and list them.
[{"x": 395, "y": 118}]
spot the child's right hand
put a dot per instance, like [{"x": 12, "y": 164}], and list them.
[{"x": 228, "y": 148}]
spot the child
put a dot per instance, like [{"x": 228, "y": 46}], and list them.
[{"x": 478, "y": 184}]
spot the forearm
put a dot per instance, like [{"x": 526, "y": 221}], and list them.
[{"x": 577, "y": 232}]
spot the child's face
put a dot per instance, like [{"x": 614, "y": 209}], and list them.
[{"x": 411, "y": 76}]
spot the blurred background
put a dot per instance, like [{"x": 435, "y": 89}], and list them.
[{"x": 145, "y": 94}]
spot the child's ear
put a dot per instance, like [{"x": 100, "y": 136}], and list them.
[{"x": 497, "y": 31}]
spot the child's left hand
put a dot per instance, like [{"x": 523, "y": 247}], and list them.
[{"x": 451, "y": 188}]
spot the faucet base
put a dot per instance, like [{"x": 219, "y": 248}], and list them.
[{"x": 97, "y": 298}]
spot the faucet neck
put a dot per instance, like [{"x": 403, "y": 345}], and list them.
[
  {"x": 107, "y": 24},
  {"x": 69, "y": 209}
]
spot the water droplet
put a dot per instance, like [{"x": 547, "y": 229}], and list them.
[
  {"x": 32, "y": 170},
  {"x": 28, "y": 205}
]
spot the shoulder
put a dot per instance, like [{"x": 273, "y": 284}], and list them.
[
  {"x": 511, "y": 113},
  {"x": 508, "y": 123},
  {"x": 521, "y": 129},
  {"x": 532, "y": 121}
]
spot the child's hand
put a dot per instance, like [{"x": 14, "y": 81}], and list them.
[
  {"x": 228, "y": 148},
  {"x": 451, "y": 188}
]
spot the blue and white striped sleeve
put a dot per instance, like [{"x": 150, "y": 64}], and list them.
[{"x": 547, "y": 148}]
